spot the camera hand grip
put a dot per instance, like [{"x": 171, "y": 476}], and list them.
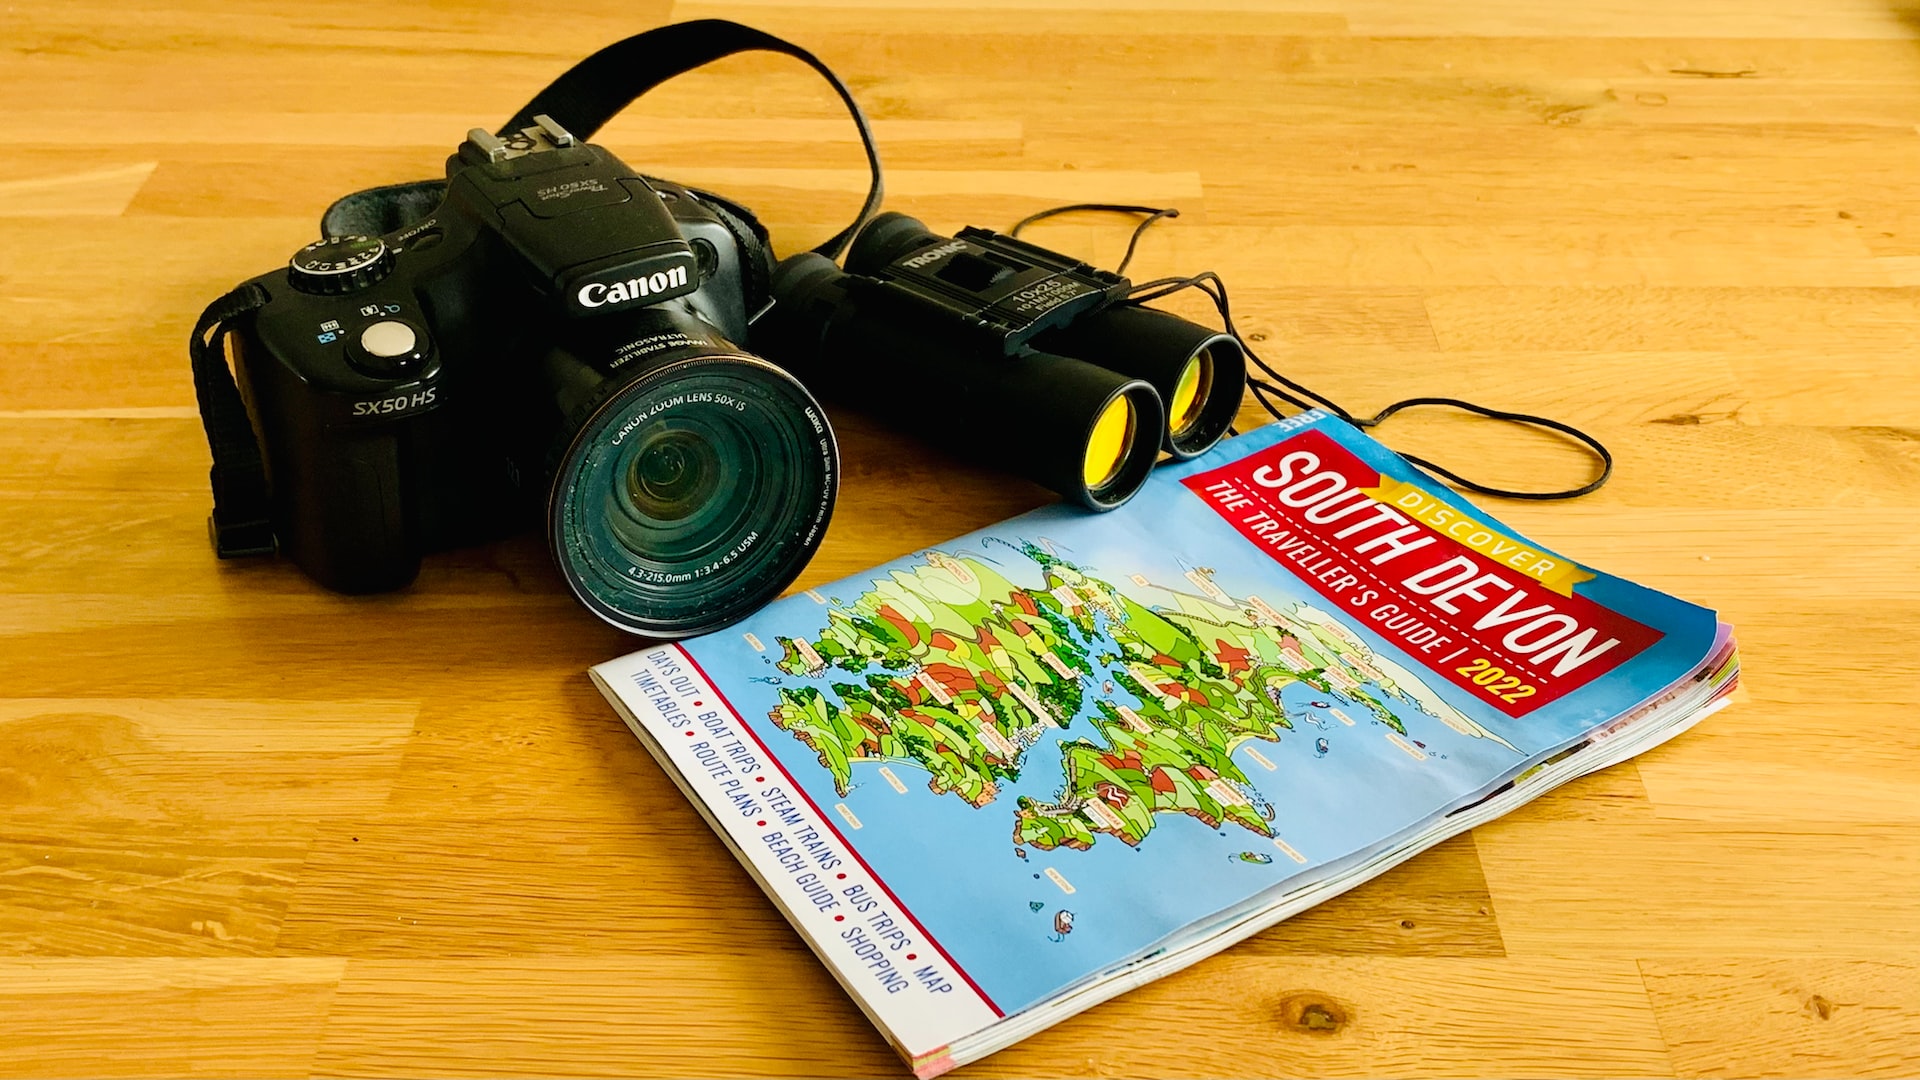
[{"x": 350, "y": 531}]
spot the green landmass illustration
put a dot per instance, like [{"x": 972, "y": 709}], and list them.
[{"x": 952, "y": 667}]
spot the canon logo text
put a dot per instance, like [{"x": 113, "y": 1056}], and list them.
[{"x": 599, "y": 294}]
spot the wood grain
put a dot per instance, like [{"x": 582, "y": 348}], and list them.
[{"x": 251, "y": 828}]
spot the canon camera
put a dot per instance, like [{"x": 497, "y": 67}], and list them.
[{"x": 554, "y": 342}]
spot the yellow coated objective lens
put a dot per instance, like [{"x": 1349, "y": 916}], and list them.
[
  {"x": 1190, "y": 394},
  {"x": 1108, "y": 445}
]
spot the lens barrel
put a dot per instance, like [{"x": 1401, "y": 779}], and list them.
[
  {"x": 1199, "y": 373},
  {"x": 1089, "y": 433},
  {"x": 691, "y": 480}
]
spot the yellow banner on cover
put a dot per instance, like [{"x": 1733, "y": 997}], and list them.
[{"x": 1509, "y": 551}]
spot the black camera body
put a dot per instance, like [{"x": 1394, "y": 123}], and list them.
[{"x": 423, "y": 389}]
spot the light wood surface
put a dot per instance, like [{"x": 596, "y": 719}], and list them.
[{"x": 250, "y": 828}]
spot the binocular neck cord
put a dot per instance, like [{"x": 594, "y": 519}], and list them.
[{"x": 1304, "y": 398}]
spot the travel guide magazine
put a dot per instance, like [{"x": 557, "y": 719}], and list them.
[{"x": 998, "y": 781}]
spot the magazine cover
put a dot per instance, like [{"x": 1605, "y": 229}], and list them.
[{"x": 981, "y": 774}]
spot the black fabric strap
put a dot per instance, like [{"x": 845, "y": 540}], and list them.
[
  {"x": 379, "y": 211},
  {"x": 242, "y": 518},
  {"x": 594, "y": 90}
]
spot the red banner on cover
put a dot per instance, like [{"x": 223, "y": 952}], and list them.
[{"x": 1469, "y": 601}]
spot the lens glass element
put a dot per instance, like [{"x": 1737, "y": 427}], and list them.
[
  {"x": 675, "y": 472},
  {"x": 1109, "y": 442},
  {"x": 1190, "y": 394},
  {"x": 693, "y": 495}
]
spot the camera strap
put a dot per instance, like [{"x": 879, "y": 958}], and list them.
[
  {"x": 242, "y": 518},
  {"x": 595, "y": 90}
]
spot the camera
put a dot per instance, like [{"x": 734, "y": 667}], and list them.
[
  {"x": 555, "y": 341},
  {"x": 1038, "y": 362}
]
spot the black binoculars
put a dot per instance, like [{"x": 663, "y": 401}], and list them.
[{"x": 1007, "y": 352}]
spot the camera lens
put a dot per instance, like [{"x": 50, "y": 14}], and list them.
[
  {"x": 691, "y": 492},
  {"x": 675, "y": 473}
]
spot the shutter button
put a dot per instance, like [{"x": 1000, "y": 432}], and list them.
[
  {"x": 388, "y": 340},
  {"x": 389, "y": 349}
]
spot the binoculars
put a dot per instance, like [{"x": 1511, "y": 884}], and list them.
[{"x": 1006, "y": 352}]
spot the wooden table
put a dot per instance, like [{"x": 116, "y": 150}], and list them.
[{"x": 251, "y": 828}]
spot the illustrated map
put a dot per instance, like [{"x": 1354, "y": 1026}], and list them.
[
  {"x": 950, "y": 666},
  {"x": 1065, "y": 741}
]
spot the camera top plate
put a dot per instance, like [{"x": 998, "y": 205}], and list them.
[{"x": 588, "y": 228}]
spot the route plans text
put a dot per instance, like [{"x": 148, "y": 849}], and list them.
[{"x": 998, "y": 782}]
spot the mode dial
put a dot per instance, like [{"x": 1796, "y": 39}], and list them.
[{"x": 339, "y": 264}]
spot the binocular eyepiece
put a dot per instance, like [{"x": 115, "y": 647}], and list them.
[{"x": 1005, "y": 351}]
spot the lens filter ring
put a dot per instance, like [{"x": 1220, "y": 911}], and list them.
[
  {"x": 1205, "y": 397},
  {"x": 1121, "y": 445},
  {"x": 691, "y": 493}
]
